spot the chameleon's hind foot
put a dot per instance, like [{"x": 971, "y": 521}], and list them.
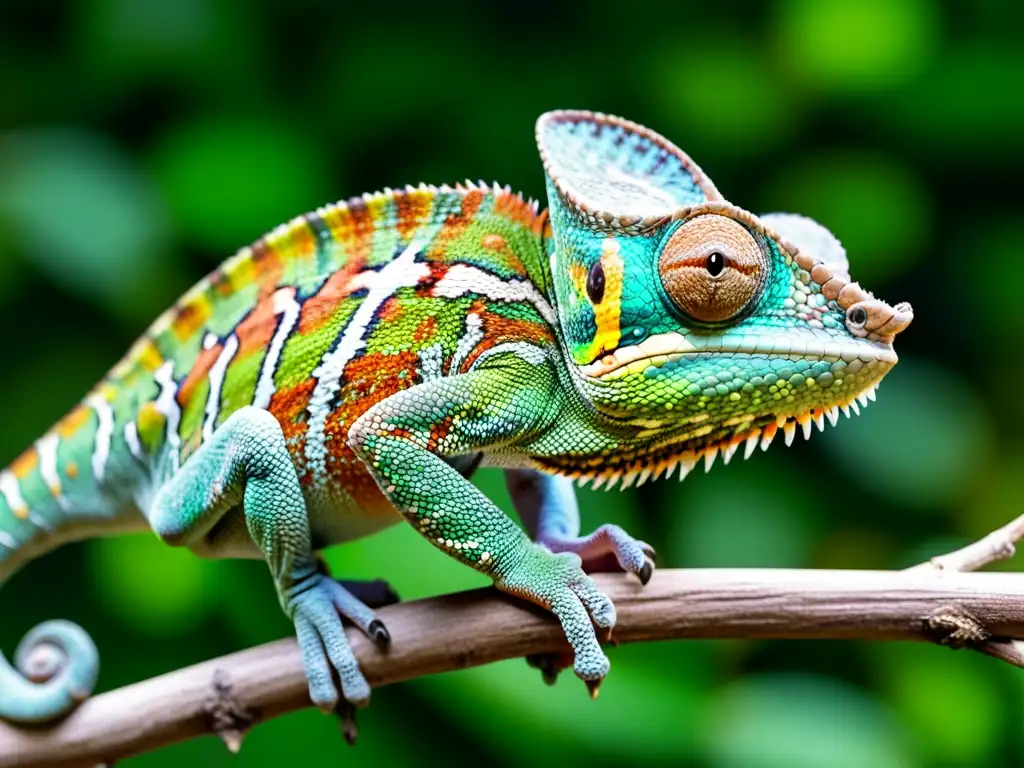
[
  {"x": 609, "y": 548},
  {"x": 317, "y": 610},
  {"x": 557, "y": 582}
]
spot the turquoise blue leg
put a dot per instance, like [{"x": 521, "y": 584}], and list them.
[
  {"x": 547, "y": 505},
  {"x": 403, "y": 441},
  {"x": 246, "y": 463}
]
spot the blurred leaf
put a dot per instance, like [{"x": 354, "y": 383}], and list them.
[
  {"x": 739, "y": 516},
  {"x": 722, "y": 92},
  {"x": 940, "y": 428},
  {"x": 863, "y": 46},
  {"x": 928, "y": 687},
  {"x": 86, "y": 216},
  {"x": 855, "y": 546},
  {"x": 638, "y": 716},
  {"x": 961, "y": 110},
  {"x": 872, "y": 203},
  {"x": 231, "y": 179},
  {"x": 999, "y": 240},
  {"x": 798, "y": 721},
  {"x": 46, "y": 382},
  {"x": 407, "y": 561},
  {"x": 11, "y": 274},
  {"x": 996, "y": 502},
  {"x": 198, "y": 41},
  {"x": 922, "y": 444},
  {"x": 151, "y": 587}
]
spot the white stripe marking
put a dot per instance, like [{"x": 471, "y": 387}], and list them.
[
  {"x": 286, "y": 306},
  {"x": 474, "y": 335},
  {"x": 11, "y": 490},
  {"x": 404, "y": 271},
  {"x": 46, "y": 446},
  {"x": 461, "y": 279},
  {"x": 431, "y": 359},
  {"x": 104, "y": 433},
  {"x": 216, "y": 380},
  {"x": 167, "y": 404},
  {"x": 131, "y": 437},
  {"x": 531, "y": 353}
]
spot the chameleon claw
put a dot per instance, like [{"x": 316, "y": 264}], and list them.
[
  {"x": 379, "y": 634},
  {"x": 347, "y": 720},
  {"x": 593, "y": 688},
  {"x": 646, "y": 572}
]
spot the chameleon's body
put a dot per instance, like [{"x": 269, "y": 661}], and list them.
[{"x": 346, "y": 370}]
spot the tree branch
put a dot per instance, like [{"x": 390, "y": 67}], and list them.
[
  {"x": 998, "y": 545},
  {"x": 228, "y": 694}
]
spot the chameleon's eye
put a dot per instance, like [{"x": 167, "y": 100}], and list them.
[{"x": 712, "y": 268}]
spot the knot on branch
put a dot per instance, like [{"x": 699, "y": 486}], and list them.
[
  {"x": 225, "y": 715},
  {"x": 954, "y": 627}
]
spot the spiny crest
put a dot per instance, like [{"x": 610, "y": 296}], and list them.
[{"x": 634, "y": 472}]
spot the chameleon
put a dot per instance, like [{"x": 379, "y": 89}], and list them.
[{"x": 349, "y": 369}]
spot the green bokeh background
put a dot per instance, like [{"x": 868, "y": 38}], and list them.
[{"x": 142, "y": 142}]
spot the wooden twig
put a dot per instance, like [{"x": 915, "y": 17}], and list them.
[
  {"x": 229, "y": 694},
  {"x": 998, "y": 545}
]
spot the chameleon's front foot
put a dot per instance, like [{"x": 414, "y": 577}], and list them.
[
  {"x": 558, "y": 583},
  {"x": 316, "y": 605},
  {"x": 606, "y": 547}
]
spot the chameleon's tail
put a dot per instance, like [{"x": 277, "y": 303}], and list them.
[
  {"x": 49, "y": 496},
  {"x": 56, "y": 668},
  {"x": 56, "y": 664}
]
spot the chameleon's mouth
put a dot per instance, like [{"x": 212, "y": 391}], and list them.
[{"x": 665, "y": 348}]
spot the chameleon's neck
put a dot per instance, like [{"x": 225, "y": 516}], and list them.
[{"x": 78, "y": 480}]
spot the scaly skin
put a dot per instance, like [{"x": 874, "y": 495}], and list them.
[{"x": 351, "y": 368}]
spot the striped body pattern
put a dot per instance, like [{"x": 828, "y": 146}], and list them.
[
  {"x": 316, "y": 322},
  {"x": 351, "y": 368}
]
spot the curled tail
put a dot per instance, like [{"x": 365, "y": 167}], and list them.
[
  {"x": 56, "y": 664},
  {"x": 53, "y": 493}
]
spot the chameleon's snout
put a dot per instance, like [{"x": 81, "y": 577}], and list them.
[
  {"x": 902, "y": 316},
  {"x": 873, "y": 318}
]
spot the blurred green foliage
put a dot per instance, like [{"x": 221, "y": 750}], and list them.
[{"x": 141, "y": 143}]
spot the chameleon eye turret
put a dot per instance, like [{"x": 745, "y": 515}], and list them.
[{"x": 713, "y": 268}]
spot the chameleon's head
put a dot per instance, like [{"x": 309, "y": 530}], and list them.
[{"x": 690, "y": 320}]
